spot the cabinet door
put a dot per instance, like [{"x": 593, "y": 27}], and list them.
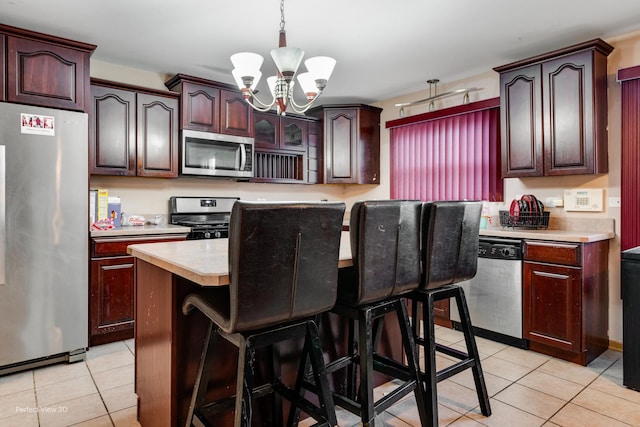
[
  {"x": 314, "y": 152},
  {"x": 568, "y": 115},
  {"x": 267, "y": 130},
  {"x": 293, "y": 134},
  {"x": 112, "y": 132},
  {"x": 552, "y": 305},
  {"x": 236, "y": 115},
  {"x": 340, "y": 151},
  {"x": 111, "y": 299},
  {"x": 3, "y": 67},
  {"x": 44, "y": 74},
  {"x": 200, "y": 107},
  {"x": 521, "y": 118},
  {"x": 157, "y": 142}
]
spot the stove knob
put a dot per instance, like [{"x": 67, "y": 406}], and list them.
[
  {"x": 207, "y": 235},
  {"x": 217, "y": 234}
]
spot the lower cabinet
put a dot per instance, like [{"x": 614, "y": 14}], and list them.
[
  {"x": 565, "y": 299},
  {"x": 112, "y": 286}
]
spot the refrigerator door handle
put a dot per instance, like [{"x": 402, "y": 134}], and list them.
[{"x": 3, "y": 224}]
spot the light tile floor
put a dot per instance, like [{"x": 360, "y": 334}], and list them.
[{"x": 526, "y": 389}]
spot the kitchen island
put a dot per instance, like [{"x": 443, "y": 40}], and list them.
[{"x": 168, "y": 344}]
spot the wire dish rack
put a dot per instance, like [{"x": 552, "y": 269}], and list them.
[{"x": 524, "y": 220}]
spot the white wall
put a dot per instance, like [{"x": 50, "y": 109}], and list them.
[{"x": 147, "y": 195}]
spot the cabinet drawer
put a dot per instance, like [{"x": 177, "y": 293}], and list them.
[
  {"x": 553, "y": 252},
  {"x": 115, "y": 246}
]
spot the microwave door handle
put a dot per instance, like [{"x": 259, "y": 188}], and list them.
[{"x": 243, "y": 157}]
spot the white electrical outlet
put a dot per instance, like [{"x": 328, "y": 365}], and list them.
[
  {"x": 584, "y": 199},
  {"x": 614, "y": 202},
  {"x": 553, "y": 202}
]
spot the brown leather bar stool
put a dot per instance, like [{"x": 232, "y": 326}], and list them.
[
  {"x": 450, "y": 233},
  {"x": 385, "y": 244},
  {"x": 283, "y": 264}
]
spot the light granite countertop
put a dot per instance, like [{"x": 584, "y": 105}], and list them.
[
  {"x": 206, "y": 261},
  {"x": 560, "y": 229},
  {"x": 556, "y": 235},
  {"x": 140, "y": 230}
]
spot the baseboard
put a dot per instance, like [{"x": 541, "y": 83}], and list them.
[{"x": 615, "y": 345}]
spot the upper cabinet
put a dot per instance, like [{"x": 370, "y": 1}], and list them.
[
  {"x": 554, "y": 112},
  {"x": 280, "y": 132},
  {"x": 3, "y": 66},
  {"x": 133, "y": 131},
  {"x": 282, "y": 148},
  {"x": 44, "y": 70},
  {"x": 209, "y": 106},
  {"x": 351, "y": 143}
]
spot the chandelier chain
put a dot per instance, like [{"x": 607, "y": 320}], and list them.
[{"x": 281, "y": 15}]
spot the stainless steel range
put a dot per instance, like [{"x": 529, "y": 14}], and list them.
[{"x": 208, "y": 217}]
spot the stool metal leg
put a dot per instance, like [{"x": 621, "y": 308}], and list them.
[
  {"x": 352, "y": 350},
  {"x": 472, "y": 350},
  {"x": 276, "y": 399},
  {"x": 365, "y": 346},
  {"x": 411, "y": 352},
  {"x": 244, "y": 384},
  {"x": 314, "y": 351},
  {"x": 203, "y": 374},
  {"x": 431, "y": 381}
]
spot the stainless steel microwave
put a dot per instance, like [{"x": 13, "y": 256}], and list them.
[{"x": 212, "y": 154}]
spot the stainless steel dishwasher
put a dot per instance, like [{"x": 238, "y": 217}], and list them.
[{"x": 494, "y": 295}]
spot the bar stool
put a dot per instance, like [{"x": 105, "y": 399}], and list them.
[
  {"x": 385, "y": 245},
  {"x": 450, "y": 255},
  {"x": 283, "y": 264}
]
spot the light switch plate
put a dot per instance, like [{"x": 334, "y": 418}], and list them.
[{"x": 584, "y": 199}]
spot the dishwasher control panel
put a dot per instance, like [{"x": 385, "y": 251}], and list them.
[{"x": 500, "y": 249}]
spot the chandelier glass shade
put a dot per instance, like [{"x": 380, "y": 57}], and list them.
[{"x": 247, "y": 74}]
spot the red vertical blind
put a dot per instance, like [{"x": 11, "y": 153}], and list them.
[
  {"x": 630, "y": 173},
  {"x": 449, "y": 156}
]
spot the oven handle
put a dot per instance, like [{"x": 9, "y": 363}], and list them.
[{"x": 243, "y": 156}]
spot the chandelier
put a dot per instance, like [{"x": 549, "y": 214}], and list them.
[{"x": 246, "y": 74}]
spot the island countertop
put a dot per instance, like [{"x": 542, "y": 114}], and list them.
[{"x": 206, "y": 261}]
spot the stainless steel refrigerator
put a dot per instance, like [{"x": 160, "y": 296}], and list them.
[{"x": 43, "y": 236}]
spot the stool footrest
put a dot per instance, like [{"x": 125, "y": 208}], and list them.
[
  {"x": 451, "y": 352},
  {"x": 454, "y": 369},
  {"x": 300, "y": 402},
  {"x": 390, "y": 367}
]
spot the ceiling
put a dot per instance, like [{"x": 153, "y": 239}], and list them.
[{"x": 383, "y": 49}]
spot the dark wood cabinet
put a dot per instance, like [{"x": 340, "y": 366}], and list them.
[
  {"x": 209, "y": 106},
  {"x": 280, "y": 132},
  {"x": 565, "y": 299},
  {"x": 44, "y": 70},
  {"x": 157, "y": 137},
  {"x": 236, "y": 115},
  {"x": 3, "y": 67},
  {"x": 112, "y": 286},
  {"x": 266, "y": 130},
  {"x": 199, "y": 107},
  {"x": 286, "y": 148},
  {"x": 554, "y": 112},
  {"x": 112, "y": 132},
  {"x": 351, "y": 152},
  {"x": 133, "y": 131},
  {"x": 314, "y": 152}
]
